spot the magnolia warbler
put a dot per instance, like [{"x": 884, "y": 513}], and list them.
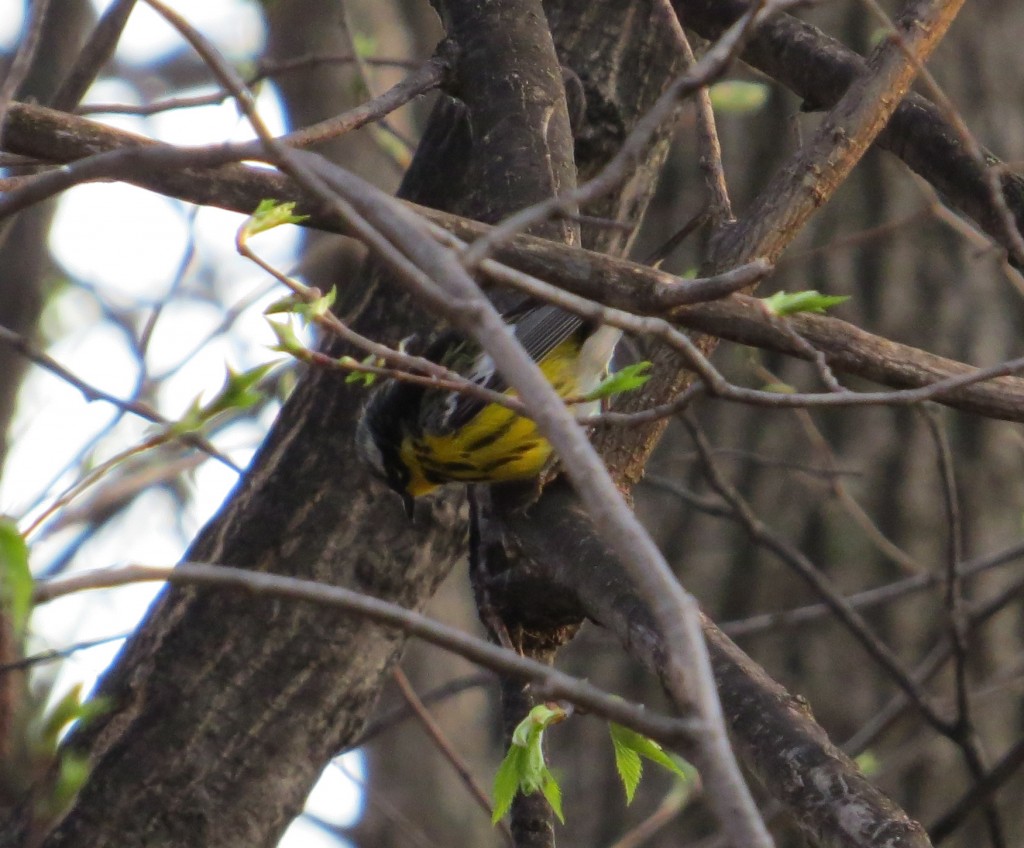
[{"x": 417, "y": 439}]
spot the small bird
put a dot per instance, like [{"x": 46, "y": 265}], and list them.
[{"x": 417, "y": 439}]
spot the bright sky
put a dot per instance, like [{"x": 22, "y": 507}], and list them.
[{"x": 126, "y": 247}]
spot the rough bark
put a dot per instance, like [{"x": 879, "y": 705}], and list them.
[
  {"x": 324, "y": 505},
  {"x": 788, "y": 752},
  {"x": 177, "y": 759}
]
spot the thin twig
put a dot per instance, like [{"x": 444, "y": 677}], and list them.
[
  {"x": 851, "y": 619},
  {"x": 980, "y": 793},
  {"x": 716, "y": 385},
  {"x": 23, "y": 58},
  {"x": 266, "y": 68},
  {"x": 453, "y": 293},
  {"x": 426, "y": 77},
  {"x": 444, "y": 746},
  {"x": 674, "y": 802},
  {"x": 952, "y": 581},
  {"x": 55, "y": 654},
  {"x": 931, "y": 665},
  {"x": 709, "y": 506},
  {"x": 870, "y": 529},
  {"x": 93, "y": 56},
  {"x": 804, "y": 348},
  {"x": 991, "y": 175},
  {"x": 660, "y": 115},
  {"x": 966, "y": 736},
  {"x": 799, "y": 188},
  {"x": 713, "y": 382},
  {"x": 846, "y": 347},
  {"x": 92, "y": 393},
  {"x": 49, "y": 183},
  {"x": 411, "y": 831},
  {"x": 382, "y": 722},
  {"x": 672, "y": 732},
  {"x": 404, "y": 366},
  {"x": 869, "y": 597},
  {"x": 709, "y": 148}
]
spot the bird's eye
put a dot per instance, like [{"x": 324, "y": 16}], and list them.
[{"x": 398, "y": 476}]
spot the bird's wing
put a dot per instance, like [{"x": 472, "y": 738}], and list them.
[{"x": 539, "y": 329}]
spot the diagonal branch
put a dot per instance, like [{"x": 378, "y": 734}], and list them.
[
  {"x": 672, "y": 731},
  {"x": 789, "y": 753},
  {"x": 605, "y": 279},
  {"x": 819, "y": 69},
  {"x": 849, "y": 128}
]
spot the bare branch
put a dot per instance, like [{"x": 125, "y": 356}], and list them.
[
  {"x": 92, "y": 393},
  {"x": 23, "y": 58},
  {"x": 852, "y": 620},
  {"x": 613, "y": 281},
  {"x": 98, "y": 49},
  {"x": 850, "y": 127},
  {"x": 870, "y": 597},
  {"x": 711, "y": 65},
  {"x": 820, "y": 68},
  {"x": 444, "y": 745},
  {"x": 978, "y": 794},
  {"x": 672, "y": 732},
  {"x": 831, "y": 801}
]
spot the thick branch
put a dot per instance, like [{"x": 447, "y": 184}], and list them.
[
  {"x": 820, "y": 69},
  {"x": 204, "y": 671},
  {"x": 37, "y": 131},
  {"x": 850, "y": 127},
  {"x": 821, "y": 788}
]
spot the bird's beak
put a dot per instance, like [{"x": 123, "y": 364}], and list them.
[{"x": 409, "y": 502}]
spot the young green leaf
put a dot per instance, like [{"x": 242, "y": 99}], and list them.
[
  {"x": 367, "y": 378},
  {"x": 649, "y": 750},
  {"x": 737, "y": 97},
  {"x": 191, "y": 421},
  {"x": 59, "y": 716},
  {"x": 553, "y": 794},
  {"x": 506, "y": 783},
  {"x": 319, "y": 306},
  {"x": 391, "y": 145},
  {"x": 789, "y": 303},
  {"x": 365, "y": 45},
  {"x": 68, "y": 709},
  {"x": 35, "y": 767},
  {"x": 43, "y": 737},
  {"x": 624, "y": 380},
  {"x": 523, "y": 769},
  {"x": 71, "y": 775},
  {"x": 238, "y": 392},
  {"x": 287, "y": 341},
  {"x": 270, "y": 214},
  {"x": 539, "y": 719},
  {"x": 15, "y": 576},
  {"x": 868, "y": 763},
  {"x": 778, "y": 388},
  {"x": 240, "y": 389},
  {"x": 284, "y": 306},
  {"x": 307, "y": 307},
  {"x": 630, "y": 747},
  {"x": 629, "y": 766}
]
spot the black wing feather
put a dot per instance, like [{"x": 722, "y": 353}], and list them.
[{"x": 539, "y": 329}]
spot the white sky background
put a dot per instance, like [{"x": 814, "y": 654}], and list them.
[{"x": 124, "y": 248}]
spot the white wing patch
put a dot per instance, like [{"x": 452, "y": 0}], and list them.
[
  {"x": 368, "y": 447},
  {"x": 481, "y": 374},
  {"x": 592, "y": 365}
]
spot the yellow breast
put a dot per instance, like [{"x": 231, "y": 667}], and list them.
[{"x": 496, "y": 445}]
